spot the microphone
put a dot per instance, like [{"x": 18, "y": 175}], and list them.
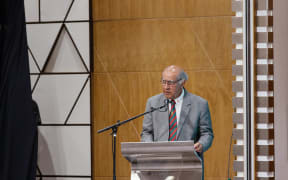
[
  {"x": 165, "y": 106},
  {"x": 166, "y": 101},
  {"x": 162, "y": 108}
]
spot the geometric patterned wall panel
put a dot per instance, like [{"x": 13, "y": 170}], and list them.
[
  {"x": 64, "y": 150},
  {"x": 53, "y": 10},
  {"x": 33, "y": 79},
  {"x": 71, "y": 38},
  {"x": 79, "y": 35},
  {"x": 58, "y": 34},
  {"x": 62, "y": 178},
  {"x": 58, "y": 95},
  {"x": 32, "y": 10},
  {"x": 33, "y": 65},
  {"x": 40, "y": 40},
  {"x": 56, "y": 10},
  {"x": 81, "y": 111},
  {"x": 66, "y": 60},
  {"x": 79, "y": 11}
]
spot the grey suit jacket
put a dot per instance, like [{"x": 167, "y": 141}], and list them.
[{"x": 194, "y": 124}]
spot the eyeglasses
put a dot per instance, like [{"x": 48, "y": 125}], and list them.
[{"x": 169, "y": 83}]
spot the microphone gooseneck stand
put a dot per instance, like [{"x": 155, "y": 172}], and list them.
[{"x": 114, "y": 128}]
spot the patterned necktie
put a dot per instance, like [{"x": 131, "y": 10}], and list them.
[{"x": 172, "y": 122}]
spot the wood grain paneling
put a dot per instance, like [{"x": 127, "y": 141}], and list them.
[
  {"x": 120, "y": 96},
  {"x": 127, "y": 9},
  {"x": 133, "y": 41},
  {"x": 151, "y": 45}
]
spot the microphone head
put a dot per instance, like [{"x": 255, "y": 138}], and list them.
[
  {"x": 164, "y": 107},
  {"x": 166, "y": 101}
]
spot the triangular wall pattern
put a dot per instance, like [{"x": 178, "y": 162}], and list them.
[
  {"x": 32, "y": 65},
  {"x": 81, "y": 112},
  {"x": 54, "y": 10},
  {"x": 79, "y": 11},
  {"x": 80, "y": 35},
  {"x": 56, "y": 95},
  {"x": 33, "y": 79},
  {"x": 64, "y": 57},
  {"x": 40, "y": 40}
]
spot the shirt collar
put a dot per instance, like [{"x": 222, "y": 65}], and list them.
[{"x": 180, "y": 98}]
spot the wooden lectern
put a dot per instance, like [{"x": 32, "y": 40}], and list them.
[{"x": 163, "y": 160}]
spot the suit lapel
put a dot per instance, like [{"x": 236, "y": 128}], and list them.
[
  {"x": 163, "y": 121},
  {"x": 184, "y": 112}
]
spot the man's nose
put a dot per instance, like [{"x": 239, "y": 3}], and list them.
[{"x": 166, "y": 86}]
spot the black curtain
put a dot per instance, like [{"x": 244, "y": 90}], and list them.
[{"x": 18, "y": 127}]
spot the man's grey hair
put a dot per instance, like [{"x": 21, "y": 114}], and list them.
[{"x": 182, "y": 76}]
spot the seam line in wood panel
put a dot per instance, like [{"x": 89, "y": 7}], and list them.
[
  {"x": 189, "y": 70},
  {"x": 117, "y": 92},
  {"x": 213, "y": 65},
  {"x": 164, "y": 18}
]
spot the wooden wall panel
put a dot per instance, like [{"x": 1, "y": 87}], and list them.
[
  {"x": 130, "y": 54},
  {"x": 121, "y": 95},
  {"x": 215, "y": 86},
  {"x": 126, "y": 9},
  {"x": 141, "y": 45}
]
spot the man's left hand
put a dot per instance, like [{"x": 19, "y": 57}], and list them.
[{"x": 198, "y": 147}]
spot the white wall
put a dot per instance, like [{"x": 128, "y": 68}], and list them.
[{"x": 59, "y": 57}]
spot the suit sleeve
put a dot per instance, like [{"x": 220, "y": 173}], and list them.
[
  {"x": 206, "y": 132},
  {"x": 147, "y": 131}
]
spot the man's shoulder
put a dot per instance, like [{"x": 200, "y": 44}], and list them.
[
  {"x": 194, "y": 97},
  {"x": 156, "y": 97}
]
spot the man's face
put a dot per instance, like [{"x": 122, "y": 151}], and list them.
[{"x": 170, "y": 85}]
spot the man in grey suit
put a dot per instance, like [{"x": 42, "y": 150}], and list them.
[{"x": 187, "y": 118}]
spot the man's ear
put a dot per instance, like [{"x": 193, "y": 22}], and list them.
[{"x": 183, "y": 83}]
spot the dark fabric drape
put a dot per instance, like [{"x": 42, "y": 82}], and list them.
[{"x": 18, "y": 127}]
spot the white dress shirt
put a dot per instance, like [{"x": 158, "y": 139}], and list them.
[{"x": 178, "y": 105}]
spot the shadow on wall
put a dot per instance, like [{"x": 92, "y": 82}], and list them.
[{"x": 45, "y": 163}]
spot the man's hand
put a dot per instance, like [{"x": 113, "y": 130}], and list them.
[{"x": 198, "y": 147}]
